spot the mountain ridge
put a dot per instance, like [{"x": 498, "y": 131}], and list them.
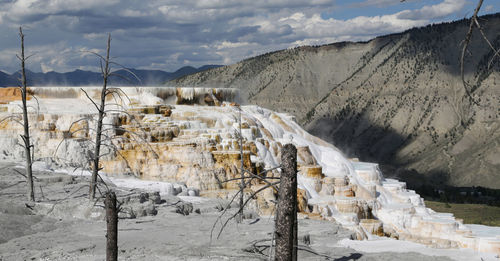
[
  {"x": 81, "y": 78},
  {"x": 396, "y": 99}
]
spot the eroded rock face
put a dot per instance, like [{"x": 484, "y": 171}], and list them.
[{"x": 156, "y": 138}]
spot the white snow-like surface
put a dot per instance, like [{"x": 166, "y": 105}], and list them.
[
  {"x": 331, "y": 159},
  {"x": 400, "y": 246},
  {"x": 389, "y": 200},
  {"x": 485, "y": 231},
  {"x": 165, "y": 188}
]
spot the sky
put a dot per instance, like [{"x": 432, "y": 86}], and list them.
[{"x": 169, "y": 34}]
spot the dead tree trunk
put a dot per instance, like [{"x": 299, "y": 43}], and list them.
[
  {"x": 112, "y": 227},
  {"x": 239, "y": 219},
  {"x": 26, "y": 136},
  {"x": 286, "y": 212},
  {"x": 95, "y": 170}
]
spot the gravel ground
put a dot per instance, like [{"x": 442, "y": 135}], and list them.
[{"x": 62, "y": 225}]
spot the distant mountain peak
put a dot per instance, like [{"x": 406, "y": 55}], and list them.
[{"x": 80, "y": 77}]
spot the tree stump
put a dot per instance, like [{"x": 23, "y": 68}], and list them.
[
  {"x": 286, "y": 212},
  {"x": 112, "y": 227}
]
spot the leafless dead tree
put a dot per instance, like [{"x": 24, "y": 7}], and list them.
[
  {"x": 103, "y": 142},
  {"x": 105, "y": 74},
  {"x": 285, "y": 233},
  {"x": 286, "y": 215},
  {"x": 24, "y": 121},
  {"x": 26, "y": 137},
  {"x": 460, "y": 107},
  {"x": 246, "y": 177},
  {"x": 462, "y": 103},
  {"x": 111, "y": 205},
  {"x": 474, "y": 24}
]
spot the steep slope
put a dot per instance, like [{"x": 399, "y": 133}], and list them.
[{"x": 396, "y": 99}]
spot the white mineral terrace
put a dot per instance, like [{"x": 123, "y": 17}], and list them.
[{"x": 192, "y": 138}]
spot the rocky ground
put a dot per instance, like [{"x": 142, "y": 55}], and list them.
[{"x": 62, "y": 225}]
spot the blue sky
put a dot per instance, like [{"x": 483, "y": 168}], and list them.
[
  {"x": 349, "y": 9},
  {"x": 169, "y": 34}
]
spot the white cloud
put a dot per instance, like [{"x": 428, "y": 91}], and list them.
[
  {"x": 34, "y": 10},
  {"x": 9, "y": 60},
  {"x": 45, "y": 68},
  {"x": 94, "y": 36},
  {"x": 442, "y": 9},
  {"x": 226, "y": 45},
  {"x": 170, "y": 32},
  {"x": 378, "y": 3}
]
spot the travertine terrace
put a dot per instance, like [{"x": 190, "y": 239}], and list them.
[{"x": 191, "y": 136}]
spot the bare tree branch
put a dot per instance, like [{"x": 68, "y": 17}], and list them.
[
  {"x": 12, "y": 118},
  {"x": 92, "y": 100},
  {"x": 243, "y": 205},
  {"x": 466, "y": 42}
]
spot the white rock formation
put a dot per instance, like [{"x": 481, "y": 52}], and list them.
[{"x": 193, "y": 143}]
